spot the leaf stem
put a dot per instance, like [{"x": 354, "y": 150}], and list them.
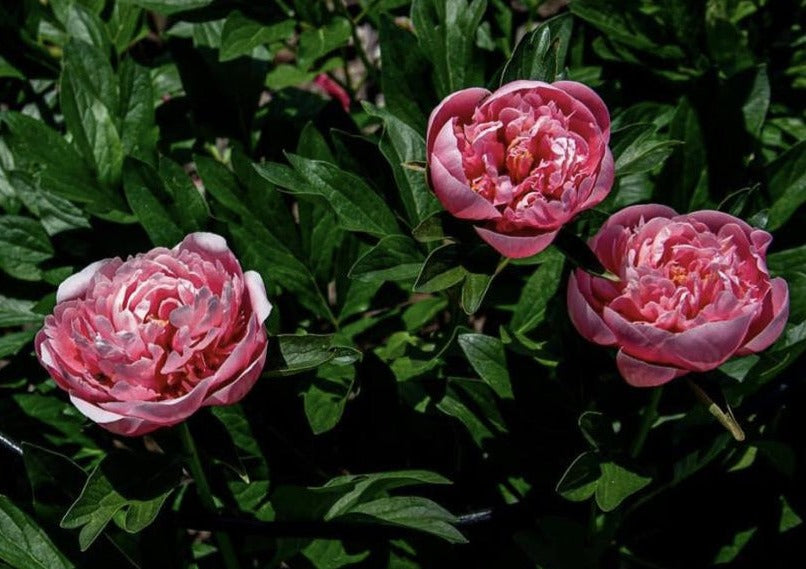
[
  {"x": 727, "y": 420},
  {"x": 648, "y": 419},
  {"x": 194, "y": 464}
]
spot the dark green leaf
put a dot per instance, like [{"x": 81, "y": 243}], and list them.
[
  {"x": 168, "y": 6},
  {"x": 486, "y": 355},
  {"x": 326, "y": 397},
  {"x": 786, "y": 181},
  {"x": 579, "y": 482},
  {"x": 147, "y": 198},
  {"x": 441, "y": 270},
  {"x": 316, "y": 42},
  {"x": 23, "y": 544},
  {"x": 536, "y": 293},
  {"x": 241, "y": 35},
  {"x": 15, "y": 312},
  {"x": 137, "y": 485},
  {"x": 289, "y": 354},
  {"x": 138, "y": 133},
  {"x": 23, "y": 244},
  {"x": 394, "y": 258},
  {"x": 617, "y": 484},
  {"x": 411, "y": 512},
  {"x": 540, "y": 55}
]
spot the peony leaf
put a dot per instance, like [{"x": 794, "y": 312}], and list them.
[
  {"x": 23, "y": 544},
  {"x": 540, "y": 55},
  {"x": 616, "y": 485}
]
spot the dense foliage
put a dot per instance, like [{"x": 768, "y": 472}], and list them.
[{"x": 424, "y": 402}]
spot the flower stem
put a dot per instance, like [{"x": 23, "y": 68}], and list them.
[
  {"x": 727, "y": 420},
  {"x": 205, "y": 494},
  {"x": 648, "y": 419}
]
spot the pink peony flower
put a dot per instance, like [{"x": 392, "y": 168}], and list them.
[
  {"x": 522, "y": 161},
  {"x": 694, "y": 291},
  {"x": 143, "y": 343}
]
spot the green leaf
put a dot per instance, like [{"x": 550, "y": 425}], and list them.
[
  {"x": 637, "y": 148},
  {"x": 356, "y": 205},
  {"x": 241, "y": 35},
  {"x": 40, "y": 150},
  {"x": 394, "y": 258},
  {"x": 789, "y": 518},
  {"x": 15, "y": 312},
  {"x": 474, "y": 289},
  {"x": 411, "y": 512},
  {"x": 89, "y": 103},
  {"x": 540, "y": 54},
  {"x": 536, "y": 293},
  {"x": 316, "y": 42},
  {"x": 441, "y": 270},
  {"x": 486, "y": 356},
  {"x": 616, "y": 485},
  {"x": 56, "y": 481},
  {"x": 168, "y": 6},
  {"x": 23, "y": 244},
  {"x": 8, "y": 70},
  {"x": 187, "y": 206},
  {"x": 728, "y": 553},
  {"x": 137, "y": 485},
  {"x": 754, "y": 109},
  {"x": 446, "y": 30},
  {"x": 364, "y": 487},
  {"x": 13, "y": 342},
  {"x": 125, "y": 24},
  {"x": 401, "y": 144},
  {"x": 325, "y": 399},
  {"x": 786, "y": 182},
  {"x": 331, "y": 554},
  {"x": 580, "y": 480},
  {"x": 138, "y": 132},
  {"x": 55, "y": 213},
  {"x": 23, "y": 544},
  {"x": 150, "y": 203},
  {"x": 290, "y": 354},
  {"x": 405, "y": 84},
  {"x": 84, "y": 25}
]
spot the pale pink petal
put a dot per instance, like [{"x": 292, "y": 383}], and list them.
[
  {"x": 238, "y": 388},
  {"x": 460, "y": 105},
  {"x": 587, "y": 322},
  {"x": 257, "y": 295},
  {"x": 639, "y": 373},
  {"x": 516, "y": 246},
  {"x": 76, "y": 285},
  {"x": 715, "y": 220}
]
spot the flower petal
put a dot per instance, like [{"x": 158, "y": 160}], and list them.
[
  {"x": 701, "y": 348},
  {"x": 779, "y": 297},
  {"x": 639, "y": 373},
  {"x": 516, "y": 246},
  {"x": 590, "y": 99},
  {"x": 460, "y": 104},
  {"x": 257, "y": 295},
  {"x": 585, "y": 319},
  {"x": 76, "y": 285},
  {"x": 458, "y": 198}
]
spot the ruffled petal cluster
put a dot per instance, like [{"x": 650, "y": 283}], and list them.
[
  {"x": 143, "y": 343},
  {"x": 521, "y": 161},
  {"x": 694, "y": 291}
]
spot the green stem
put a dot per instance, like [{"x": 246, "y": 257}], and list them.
[
  {"x": 649, "y": 416},
  {"x": 205, "y": 494}
]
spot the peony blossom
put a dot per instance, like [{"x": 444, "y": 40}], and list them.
[
  {"x": 694, "y": 291},
  {"x": 143, "y": 343},
  {"x": 521, "y": 161}
]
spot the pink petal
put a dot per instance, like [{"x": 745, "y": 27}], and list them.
[
  {"x": 779, "y": 296},
  {"x": 604, "y": 181},
  {"x": 639, "y": 373},
  {"x": 716, "y": 219},
  {"x": 460, "y": 104},
  {"x": 458, "y": 198},
  {"x": 239, "y": 387},
  {"x": 516, "y": 246},
  {"x": 585, "y": 319},
  {"x": 590, "y": 99},
  {"x": 701, "y": 348},
  {"x": 76, "y": 285},
  {"x": 257, "y": 295},
  {"x": 118, "y": 424}
]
